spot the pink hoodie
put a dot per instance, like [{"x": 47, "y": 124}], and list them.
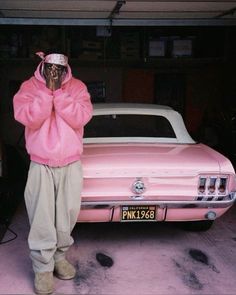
[{"x": 53, "y": 120}]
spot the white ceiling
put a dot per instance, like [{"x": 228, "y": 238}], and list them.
[{"x": 130, "y": 11}]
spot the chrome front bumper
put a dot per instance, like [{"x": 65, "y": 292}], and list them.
[{"x": 231, "y": 198}]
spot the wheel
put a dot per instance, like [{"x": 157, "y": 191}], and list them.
[{"x": 202, "y": 225}]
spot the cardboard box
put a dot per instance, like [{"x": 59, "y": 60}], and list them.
[
  {"x": 182, "y": 47},
  {"x": 102, "y": 31},
  {"x": 157, "y": 48}
]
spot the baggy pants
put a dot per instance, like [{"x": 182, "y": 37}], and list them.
[{"x": 53, "y": 199}]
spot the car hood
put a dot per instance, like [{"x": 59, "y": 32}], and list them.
[{"x": 125, "y": 160}]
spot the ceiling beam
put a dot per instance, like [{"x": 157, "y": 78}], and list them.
[
  {"x": 180, "y": 1},
  {"x": 117, "y": 22},
  {"x": 127, "y": 0}
]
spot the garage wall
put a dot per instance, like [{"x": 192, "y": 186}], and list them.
[{"x": 207, "y": 76}]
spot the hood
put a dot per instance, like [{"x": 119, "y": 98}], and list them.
[
  {"x": 39, "y": 77},
  {"x": 157, "y": 160}
]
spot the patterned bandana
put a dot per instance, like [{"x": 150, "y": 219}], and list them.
[{"x": 54, "y": 58}]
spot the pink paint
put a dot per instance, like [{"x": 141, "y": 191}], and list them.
[{"x": 170, "y": 172}]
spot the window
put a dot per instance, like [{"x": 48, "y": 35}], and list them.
[{"x": 129, "y": 126}]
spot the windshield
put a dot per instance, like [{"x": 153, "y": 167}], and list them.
[{"x": 129, "y": 126}]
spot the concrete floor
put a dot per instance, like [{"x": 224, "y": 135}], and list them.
[{"x": 140, "y": 259}]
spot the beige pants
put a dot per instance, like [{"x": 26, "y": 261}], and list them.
[{"x": 52, "y": 198}]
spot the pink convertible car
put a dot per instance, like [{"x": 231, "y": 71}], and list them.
[{"x": 140, "y": 164}]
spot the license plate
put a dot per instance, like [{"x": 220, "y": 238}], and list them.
[{"x": 138, "y": 213}]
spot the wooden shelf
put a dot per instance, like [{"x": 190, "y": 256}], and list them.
[
  {"x": 149, "y": 63},
  {"x": 145, "y": 63}
]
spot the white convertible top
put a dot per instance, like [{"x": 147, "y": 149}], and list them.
[
  {"x": 138, "y": 108},
  {"x": 175, "y": 119}
]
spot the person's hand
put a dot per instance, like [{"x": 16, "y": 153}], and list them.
[{"x": 53, "y": 75}]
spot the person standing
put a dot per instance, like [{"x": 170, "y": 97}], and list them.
[{"x": 54, "y": 107}]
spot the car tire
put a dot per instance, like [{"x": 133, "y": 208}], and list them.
[{"x": 196, "y": 226}]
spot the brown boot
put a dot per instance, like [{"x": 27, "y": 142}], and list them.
[
  {"x": 64, "y": 270},
  {"x": 43, "y": 282}
]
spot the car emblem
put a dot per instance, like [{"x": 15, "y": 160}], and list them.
[{"x": 138, "y": 187}]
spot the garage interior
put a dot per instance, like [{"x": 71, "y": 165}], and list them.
[{"x": 177, "y": 53}]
